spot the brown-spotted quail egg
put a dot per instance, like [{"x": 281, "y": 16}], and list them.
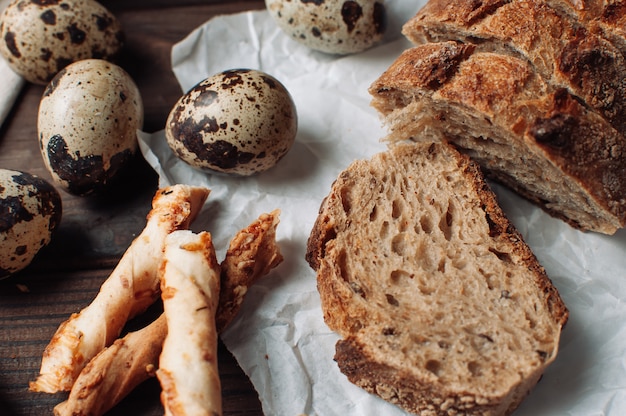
[
  {"x": 87, "y": 125},
  {"x": 331, "y": 26},
  {"x": 30, "y": 210},
  {"x": 39, "y": 38},
  {"x": 238, "y": 122}
]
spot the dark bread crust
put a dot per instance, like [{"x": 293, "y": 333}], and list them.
[
  {"x": 560, "y": 47},
  {"x": 355, "y": 355},
  {"x": 400, "y": 388},
  {"x": 502, "y": 95},
  {"x": 604, "y": 18}
]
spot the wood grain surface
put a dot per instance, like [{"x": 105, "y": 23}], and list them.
[{"x": 95, "y": 231}]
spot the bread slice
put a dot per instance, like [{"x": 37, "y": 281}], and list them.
[
  {"x": 441, "y": 306},
  {"x": 562, "y": 49},
  {"x": 540, "y": 141}
]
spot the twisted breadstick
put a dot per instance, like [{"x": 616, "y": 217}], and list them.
[
  {"x": 129, "y": 290},
  {"x": 111, "y": 375},
  {"x": 190, "y": 286}
]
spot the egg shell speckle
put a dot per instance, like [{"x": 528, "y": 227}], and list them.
[
  {"x": 87, "y": 125},
  {"x": 39, "y": 38},
  {"x": 331, "y": 26},
  {"x": 238, "y": 122},
  {"x": 30, "y": 211}
]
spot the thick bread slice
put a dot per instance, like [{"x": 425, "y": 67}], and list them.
[
  {"x": 562, "y": 49},
  {"x": 442, "y": 307},
  {"x": 540, "y": 141}
]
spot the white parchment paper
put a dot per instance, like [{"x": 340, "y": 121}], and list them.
[{"x": 279, "y": 338}]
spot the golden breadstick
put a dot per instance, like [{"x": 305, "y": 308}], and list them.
[
  {"x": 190, "y": 286},
  {"x": 130, "y": 289},
  {"x": 252, "y": 253},
  {"x": 115, "y": 371},
  {"x": 119, "y": 374}
]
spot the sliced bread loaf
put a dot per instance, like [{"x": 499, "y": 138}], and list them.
[
  {"x": 540, "y": 141},
  {"x": 561, "y": 48},
  {"x": 441, "y": 306}
]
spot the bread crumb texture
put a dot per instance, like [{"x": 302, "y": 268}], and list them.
[{"x": 442, "y": 307}]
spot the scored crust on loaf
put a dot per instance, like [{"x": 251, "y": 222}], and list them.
[
  {"x": 562, "y": 49},
  {"x": 538, "y": 140},
  {"x": 604, "y": 18},
  {"x": 441, "y": 306}
]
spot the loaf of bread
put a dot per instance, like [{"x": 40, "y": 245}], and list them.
[
  {"x": 441, "y": 306},
  {"x": 560, "y": 47},
  {"x": 535, "y": 91},
  {"x": 526, "y": 131}
]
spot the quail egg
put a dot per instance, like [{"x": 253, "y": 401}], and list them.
[
  {"x": 238, "y": 122},
  {"x": 39, "y": 38},
  {"x": 87, "y": 125},
  {"x": 331, "y": 26},
  {"x": 30, "y": 210}
]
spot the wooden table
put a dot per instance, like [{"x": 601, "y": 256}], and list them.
[{"x": 95, "y": 231}]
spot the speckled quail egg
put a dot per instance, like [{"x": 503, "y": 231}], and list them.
[
  {"x": 39, "y": 38},
  {"x": 238, "y": 122},
  {"x": 331, "y": 26},
  {"x": 30, "y": 211},
  {"x": 87, "y": 125}
]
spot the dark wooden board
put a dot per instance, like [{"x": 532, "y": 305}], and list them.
[{"x": 95, "y": 231}]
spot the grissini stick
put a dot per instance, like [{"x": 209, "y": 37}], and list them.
[
  {"x": 132, "y": 286},
  {"x": 115, "y": 371},
  {"x": 252, "y": 253},
  {"x": 190, "y": 286},
  {"x": 112, "y": 375}
]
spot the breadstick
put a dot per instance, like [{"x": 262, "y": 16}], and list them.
[
  {"x": 130, "y": 289},
  {"x": 119, "y": 374},
  {"x": 252, "y": 253},
  {"x": 115, "y": 371},
  {"x": 190, "y": 286}
]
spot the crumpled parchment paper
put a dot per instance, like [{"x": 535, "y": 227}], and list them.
[{"x": 279, "y": 338}]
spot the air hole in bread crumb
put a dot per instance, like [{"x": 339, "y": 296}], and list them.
[
  {"x": 445, "y": 223},
  {"x": 398, "y": 244},
  {"x": 442, "y": 265},
  {"x": 398, "y": 276},
  {"x": 396, "y": 208},
  {"x": 346, "y": 203},
  {"x": 389, "y": 331},
  {"x": 373, "y": 213},
  {"x": 505, "y": 257},
  {"x": 433, "y": 366},
  {"x": 474, "y": 368},
  {"x": 384, "y": 230},
  {"x": 341, "y": 264},
  {"x": 419, "y": 339},
  {"x": 392, "y": 300},
  {"x": 542, "y": 355},
  {"x": 426, "y": 224}
]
